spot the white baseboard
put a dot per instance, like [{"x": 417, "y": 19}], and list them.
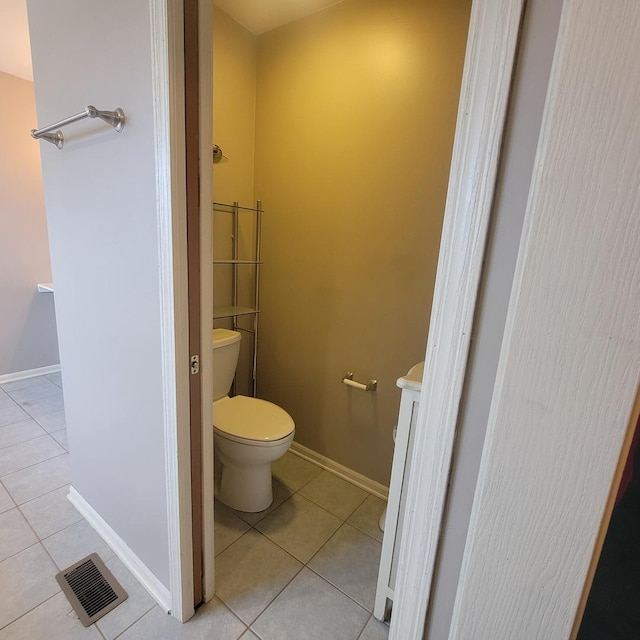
[
  {"x": 341, "y": 471},
  {"x": 29, "y": 373},
  {"x": 145, "y": 577}
]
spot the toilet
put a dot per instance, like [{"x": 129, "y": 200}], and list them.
[{"x": 249, "y": 433}]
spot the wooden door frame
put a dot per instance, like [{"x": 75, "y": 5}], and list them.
[
  {"x": 192, "y": 169},
  {"x": 490, "y": 57},
  {"x": 205, "y": 25},
  {"x": 167, "y": 20},
  {"x": 199, "y": 143}
]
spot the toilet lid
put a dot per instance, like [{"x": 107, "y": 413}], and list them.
[{"x": 252, "y": 419}]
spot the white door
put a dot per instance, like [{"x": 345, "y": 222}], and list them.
[{"x": 570, "y": 363}]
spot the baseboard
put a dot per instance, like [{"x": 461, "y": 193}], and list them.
[
  {"x": 29, "y": 373},
  {"x": 145, "y": 577},
  {"x": 341, "y": 471}
]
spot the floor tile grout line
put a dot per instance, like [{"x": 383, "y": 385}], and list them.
[
  {"x": 14, "y": 401},
  {"x": 321, "y": 507},
  {"x": 99, "y": 630},
  {"x": 272, "y": 599},
  {"x": 233, "y": 613},
  {"x": 55, "y": 564},
  {"x": 324, "y": 580},
  {"x": 35, "y": 464},
  {"x": 335, "y": 514},
  {"x": 27, "y": 439},
  {"x": 10, "y": 424},
  {"x": 17, "y": 444},
  {"x": 64, "y": 529},
  {"x": 24, "y": 515},
  {"x": 49, "y": 432},
  {"x": 35, "y": 533},
  {"x": 343, "y": 522},
  {"x": 146, "y": 613},
  {"x": 266, "y": 515},
  {"x": 305, "y": 564},
  {"x": 153, "y": 606},
  {"x": 22, "y": 615},
  {"x": 339, "y": 589},
  {"x": 53, "y": 381},
  {"x": 264, "y": 535},
  {"x": 289, "y": 552},
  {"x": 44, "y": 494},
  {"x": 7, "y": 492},
  {"x": 327, "y": 579},
  {"x": 366, "y": 533},
  {"x": 73, "y": 524},
  {"x": 244, "y": 533},
  {"x": 66, "y": 484},
  {"x": 51, "y": 393},
  {"x": 17, "y": 553},
  {"x": 366, "y": 624}
]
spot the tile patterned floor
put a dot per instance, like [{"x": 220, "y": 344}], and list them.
[
  {"x": 304, "y": 568},
  {"x": 307, "y": 566}
]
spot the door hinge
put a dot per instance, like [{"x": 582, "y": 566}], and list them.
[{"x": 195, "y": 365}]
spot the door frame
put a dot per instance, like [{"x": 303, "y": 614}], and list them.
[
  {"x": 488, "y": 68},
  {"x": 167, "y": 39},
  {"x": 205, "y": 39},
  {"x": 567, "y": 396},
  {"x": 494, "y": 31},
  {"x": 167, "y": 54}
]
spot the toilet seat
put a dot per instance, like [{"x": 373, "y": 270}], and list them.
[{"x": 242, "y": 418}]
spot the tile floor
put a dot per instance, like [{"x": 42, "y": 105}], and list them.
[{"x": 304, "y": 568}]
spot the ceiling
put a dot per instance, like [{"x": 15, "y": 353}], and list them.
[{"x": 258, "y": 16}]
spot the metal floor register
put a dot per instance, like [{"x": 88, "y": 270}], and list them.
[{"x": 91, "y": 589}]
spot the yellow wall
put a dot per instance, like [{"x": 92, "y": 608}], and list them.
[
  {"x": 234, "y": 90},
  {"x": 354, "y": 118},
  {"x": 234, "y": 108}
]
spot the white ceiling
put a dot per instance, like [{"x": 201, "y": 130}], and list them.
[
  {"x": 257, "y": 16},
  {"x": 15, "y": 52}
]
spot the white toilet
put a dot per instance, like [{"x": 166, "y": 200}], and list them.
[{"x": 249, "y": 433}]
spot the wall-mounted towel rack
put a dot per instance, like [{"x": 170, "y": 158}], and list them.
[
  {"x": 347, "y": 379},
  {"x": 114, "y": 118}
]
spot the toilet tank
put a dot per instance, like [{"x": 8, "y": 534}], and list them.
[{"x": 226, "y": 346}]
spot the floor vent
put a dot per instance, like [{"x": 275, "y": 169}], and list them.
[{"x": 91, "y": 589}]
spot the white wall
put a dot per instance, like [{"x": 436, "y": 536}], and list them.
[
  {"x": 102, "y": 214},
  {"x": 533, "y": 66},
  {"x": 27, "y": 323}
]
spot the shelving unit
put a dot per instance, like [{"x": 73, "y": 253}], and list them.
[
  {"x": 239, "y": 280},
  {"x": 411, "y": 385}
]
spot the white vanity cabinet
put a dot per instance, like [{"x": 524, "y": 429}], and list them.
[{"x": 411, "y": 383}]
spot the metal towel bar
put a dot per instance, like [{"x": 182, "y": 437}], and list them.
[{"x": 114, "y": 118}]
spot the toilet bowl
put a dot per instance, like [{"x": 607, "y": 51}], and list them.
[{"x": 249, "y": 433}]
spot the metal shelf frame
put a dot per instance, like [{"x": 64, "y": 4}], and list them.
[{"x": 235, "y": 311}]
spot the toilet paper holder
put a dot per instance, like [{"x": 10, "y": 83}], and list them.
[{"x": 372, "y": 385}]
